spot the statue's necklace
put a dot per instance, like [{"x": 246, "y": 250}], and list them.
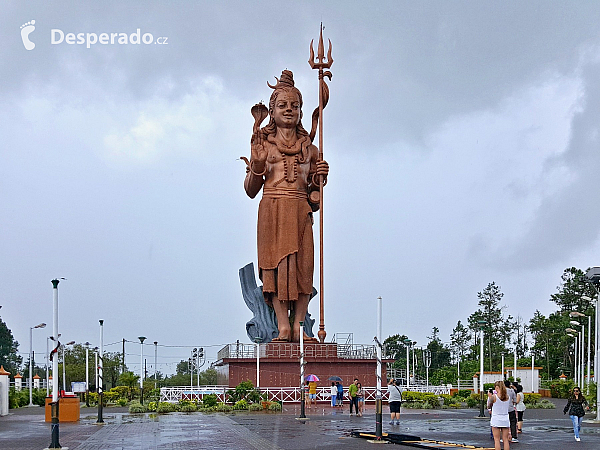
[{"x": 290, "y": 156}]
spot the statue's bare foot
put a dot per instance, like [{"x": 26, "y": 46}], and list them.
[
  {"x": 310, "y": 339},
  {"x": 283, "y": 337}
]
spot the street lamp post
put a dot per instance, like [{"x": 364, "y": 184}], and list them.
[
  {"x": 64, "y": 371},
  {"x": 257, "y": 340},
  {"x": 589, "y": 344},
  {"x": 54, "y": 405},
  {"x": 41, "y": 325},
  {"x": 100, "y": 385},
  {"x": 378, "y": 403},
  {"x": 581, "y": 350},
  {"x": 142, "y": 339},
  {"x": 47, "y": 367},
  {"x": 575, "y": 334},
  {"x": 87, "y": 374},
  {"x": 593, "y": 277},
  {"x": 302, "y": 393},
  {"x": 155, "y": 361},
  {"x": 407, "y": 342},
  {"x": 481, "y": 324}
]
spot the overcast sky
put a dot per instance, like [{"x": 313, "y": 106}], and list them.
[{"x": 462, "y": 139}]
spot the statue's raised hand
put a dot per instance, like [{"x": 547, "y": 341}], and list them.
[{"x": 258, "y": 156}]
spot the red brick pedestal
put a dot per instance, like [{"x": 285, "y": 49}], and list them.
[{"x": 280, "y": 365}]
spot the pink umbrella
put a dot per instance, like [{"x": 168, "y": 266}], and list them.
[{"x": 312, "y": 377}]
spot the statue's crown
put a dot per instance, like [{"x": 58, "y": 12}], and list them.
[{"x": 286, "y": 80}]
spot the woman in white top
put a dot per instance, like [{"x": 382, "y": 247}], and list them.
[
  {"x": 333, "y": 393},
  {"x": 499, "y": 403},
  {"x": 520, "y": 408}
]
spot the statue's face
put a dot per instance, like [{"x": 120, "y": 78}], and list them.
[{"x": 286, "y": 112}]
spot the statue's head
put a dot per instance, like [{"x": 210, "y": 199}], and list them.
[{"x": 284, "y": 89}]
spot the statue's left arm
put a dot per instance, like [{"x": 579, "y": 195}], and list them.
[{"x": 319, "y": 169}]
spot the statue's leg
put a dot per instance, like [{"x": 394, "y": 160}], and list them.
[
  {"x": 283, "y": 320},
  {"x": 300, "y": 309}
]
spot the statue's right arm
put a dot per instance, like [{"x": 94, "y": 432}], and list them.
[
  {"x": 252, "y": 183},
  {"x": 257, "y": 167}
]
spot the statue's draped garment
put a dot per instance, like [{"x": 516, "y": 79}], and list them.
[{"x": 285, "y": 243}]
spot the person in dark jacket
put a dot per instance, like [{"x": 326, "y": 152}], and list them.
[{"x": 576, "y": 411}]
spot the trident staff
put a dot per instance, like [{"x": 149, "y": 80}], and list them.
[{"x": 320, "y": 64}]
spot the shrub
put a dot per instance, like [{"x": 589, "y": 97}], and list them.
[
  {"x": 223, "y": 407},
  {"x": 561, "y": 389},
  {"x": 275, "y": 406},
  {"x": 137, "y": 408},
  {"x": 122, "y": 401},
  {"x": 166, "y": 407},
  {"x": 531, "y": 399},
  {"x": 463, "y": 393},
  {"x": 190, "y": 407},
  {"x": 254, "y": 396},
  {"x": 209, "y": 400},
  {"x": 152, "y": 406},
  {"x": 450, "y": 400},
  {"x": 242, "y": 392},
  {"x": 413, "y": 405},
  {"x": 241, "y": 404},
  {"x": 473, "y": 400},
  {"x": 427, "y": 400},
  {"x": 255, "y": 407}
]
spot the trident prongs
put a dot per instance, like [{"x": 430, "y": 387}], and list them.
[{"x": 320, "y": 61}]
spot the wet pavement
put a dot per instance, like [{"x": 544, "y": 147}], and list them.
[{"x": 327, "y": 429}]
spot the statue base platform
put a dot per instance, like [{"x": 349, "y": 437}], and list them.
[{"x": 280, "y": 363}]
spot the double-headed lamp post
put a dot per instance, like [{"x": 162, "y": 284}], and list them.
[
  {"x": 581, "y": 351},
  {"x": 41, "y": 325},
  {"x": 589, "y": 342},
  {"x": 593, "y": 277},
  {"x": 575, "y": 334}
]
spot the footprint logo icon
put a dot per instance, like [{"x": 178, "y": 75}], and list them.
[{"x": 26, "y": 30}]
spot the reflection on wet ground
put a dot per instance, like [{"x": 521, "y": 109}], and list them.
[{"x": 547, "y": 430}]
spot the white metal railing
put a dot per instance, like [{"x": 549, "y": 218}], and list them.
[
  {"x": 345, "y": 351},
  {"x": 173, "y": 394},
  {"x": 282, "y": 394}
]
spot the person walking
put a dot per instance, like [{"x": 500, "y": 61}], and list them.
[
  {"x": 520, "y": 408},
  {"x": 500, "y": 405},
  {"x": 312, "y": 393},
  {"x": 512, "y": 410},
  {"x": 333, "y": 393},
  {"x": 340, "y": 394},
  {"x": 576, "y": 411},
  {"x": 360, "y": 399},
  {"x": 394, "y": 402},
  {"x": 352, "y": 394}
]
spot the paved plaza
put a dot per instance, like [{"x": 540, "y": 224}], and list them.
[{"x": 327, "y": 428}]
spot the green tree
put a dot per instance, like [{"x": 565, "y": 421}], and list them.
[
  {"x": 440, "y": 354},
  {"x": 130, "y": 380},
  {"x": 394, "y": 347},
  {"x": 75, "y": 366},
  {"x": 498, "y": 329},
  {"x": 460, "y": 339},
  {"x": 9, "y": 358}
]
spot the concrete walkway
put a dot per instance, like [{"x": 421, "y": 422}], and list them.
[{"x": 327, "y": 428}]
